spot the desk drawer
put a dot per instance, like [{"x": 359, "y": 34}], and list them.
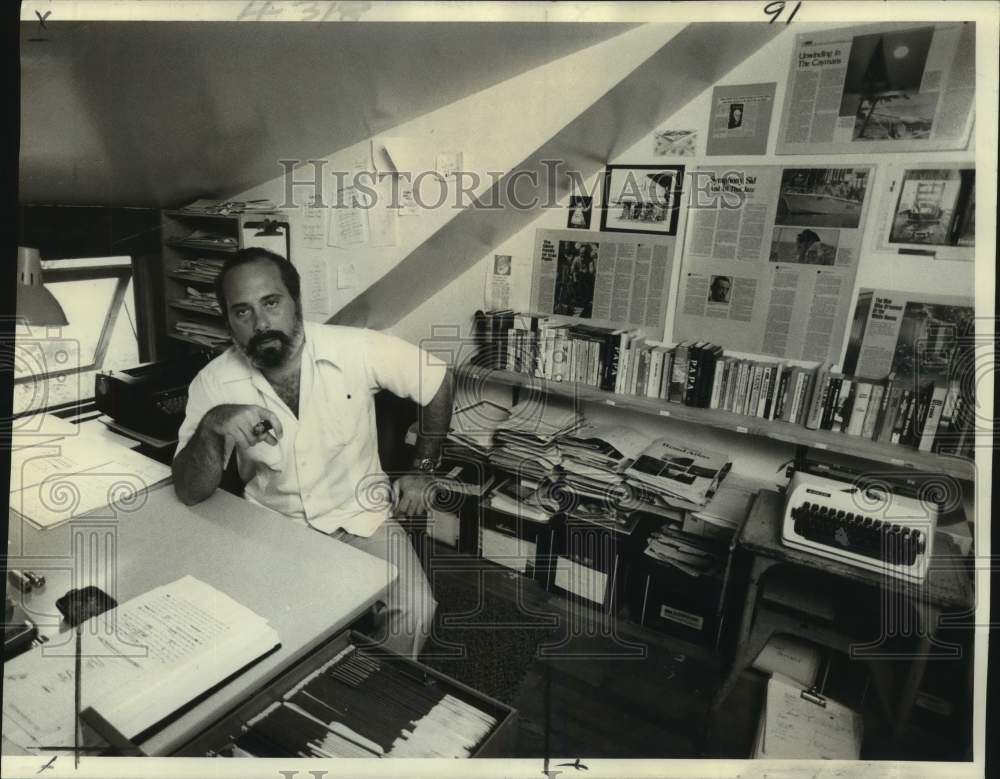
[{"x": 376, "y": 694}]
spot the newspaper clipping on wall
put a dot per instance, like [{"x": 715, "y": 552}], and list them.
[
  {"x": 741, "y": 119},
  {"x": 897, "y": 87},
  {"x": 930, "y": 210},
  {"x": 611, "y": 281},
  {"x": 914, "y": 336},
  {"x": 771, "y": 257}
]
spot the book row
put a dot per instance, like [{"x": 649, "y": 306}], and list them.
[{"x": 935, "y": 416}]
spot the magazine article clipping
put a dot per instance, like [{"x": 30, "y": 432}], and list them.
[{"x": 771, "y": 258}]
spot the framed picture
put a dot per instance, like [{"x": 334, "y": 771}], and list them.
[
  {"x": 642, "y": 198},
  {"x": 579, "y": 212},
  {"x": 932, "y": 211}
]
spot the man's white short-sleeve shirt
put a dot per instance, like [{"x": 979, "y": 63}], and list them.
[{"x": 325, "y": 470}]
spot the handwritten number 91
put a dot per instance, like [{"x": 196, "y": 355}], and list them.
[{"x": 775, "y": 9}]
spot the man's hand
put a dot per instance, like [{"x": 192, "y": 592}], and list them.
[
  {"x": 413, "y": 494},
  {"x": 243, "y": 424}
]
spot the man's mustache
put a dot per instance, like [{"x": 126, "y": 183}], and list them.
[{"x": 258, "y": 339}]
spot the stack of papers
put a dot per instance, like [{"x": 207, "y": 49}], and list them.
[
  {"x": 682, "y": 553},
  {"x": 794, "y": 727},
  {"x": 519, "y": 498},
  {"x": 474, "y": 425},
  {"x": 677, "y": 472},
  {"x": 204, "y": 206},
  {"x": 209, "y": 240},
  {"x": 202, "y": 333},
  {"x": 527, "y": 442},
  {"x": 56, "y": 478},
  {"x": 199, "y": 301},
  {"x": 166, "y": 648},
  {"x": 201, "y": 268},
  {"x": 594, "y": 457}
]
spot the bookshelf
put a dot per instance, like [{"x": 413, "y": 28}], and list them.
[
  {"x": 841, "y": 443},
  {"x": 177, "y": 225}
]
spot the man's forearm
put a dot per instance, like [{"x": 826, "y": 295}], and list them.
[
  {"x": 198, "y": 467},
  {"x": 435, "y": 419}
]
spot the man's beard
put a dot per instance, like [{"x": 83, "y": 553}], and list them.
[{"x": 272, "y": 348}]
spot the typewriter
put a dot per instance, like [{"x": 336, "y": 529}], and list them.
[{"x": 877, "y": 529}]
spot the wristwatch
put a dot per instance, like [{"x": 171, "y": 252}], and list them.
[{"x": 425, "y": 465}]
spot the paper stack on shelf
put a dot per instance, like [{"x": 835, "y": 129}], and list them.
[
  {"x": 674, "y": 471},
  {"x": 519, "y": 498},
  {"x": 201, "y": 268},
  {"x": 595, "y": 456},
  {"x": 209, "y": 240},
  {"x": 205, "y": 206},
  {"x": 683, "y": 553},
  {"x": 527, "y": 442},
  {"x": 200, "y": 301},
  {"x": 474, "y": 425},
  {"x": 202, "y": 333}
]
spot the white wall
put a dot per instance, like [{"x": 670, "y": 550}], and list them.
[{"x": 495, "y": 128}]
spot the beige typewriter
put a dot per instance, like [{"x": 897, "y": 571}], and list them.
[{"x": 860, "y": 525}]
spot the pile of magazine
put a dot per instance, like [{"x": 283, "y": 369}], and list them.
[
  {"x": 675, "y": 472},
  {"x": 527, "y": 442},
  {"x": 594, "y": 458},
  {"x": 474, "y": 424}
]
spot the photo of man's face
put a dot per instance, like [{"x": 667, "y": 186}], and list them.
[
  {"x": 501, "y": 265},
  {"x": 735, "y": 115},
  {"x": 719, "y": 290}
]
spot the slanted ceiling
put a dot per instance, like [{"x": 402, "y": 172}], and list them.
[{"x": 155, "y": 114}]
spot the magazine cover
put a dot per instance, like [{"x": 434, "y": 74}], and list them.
[
  {"x": 687, "y": 472},
  {"x": 917, "y": 337}
]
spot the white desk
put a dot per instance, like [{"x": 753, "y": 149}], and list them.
[{"x": 307, "y": 585}]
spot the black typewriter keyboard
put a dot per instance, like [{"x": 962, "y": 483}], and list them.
[{"x": 885, "y": 541}]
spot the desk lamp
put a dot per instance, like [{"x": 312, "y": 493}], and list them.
[{"x": 35, "y": 303}]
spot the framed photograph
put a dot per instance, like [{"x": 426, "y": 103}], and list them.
[
  {"x": 932, "y": 211},
  {"x": 642, "y": 198},
  {"x": 579, "y": 212}
]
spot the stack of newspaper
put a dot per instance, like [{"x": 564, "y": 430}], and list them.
[
  {"x": 202, "y": 333},
  {"x": 594, "y": 458},
  {"x": 200, "y": 268},
  {"x": 474, "y": 425},
  {"x": 520, "y": 498},
  {"x": 670, "y": 471},
  {"x": 199, "y": 301},
  {"x": 683, "y": 552},
  {"x": 527, "y": 442}
]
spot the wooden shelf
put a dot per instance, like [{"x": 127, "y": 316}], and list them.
[{"x": 891, "y": 455}]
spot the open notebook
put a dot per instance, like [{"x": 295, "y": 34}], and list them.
[{"x": 140, "y": 663}]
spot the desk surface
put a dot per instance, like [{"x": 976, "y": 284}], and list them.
[
  {"x": 306, "y": 584},
  {"x": 946, "y": 585}
]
